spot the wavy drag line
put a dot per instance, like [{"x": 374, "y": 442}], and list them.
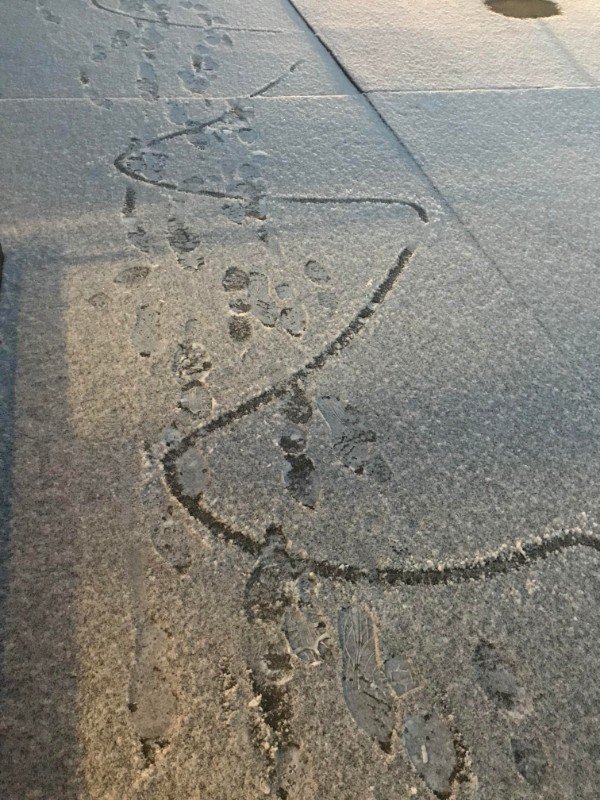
[
  {"x": 509, "y": 558},
  {"x": 197, "y": 507},
  {"x": 505, "y": 560},
  {"x": 121, "y": 165}
]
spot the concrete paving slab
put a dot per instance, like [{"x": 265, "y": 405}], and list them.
[
  {"x": 300, "y": 425},
  {"x": 90, "y": 53},
  {"x": 525, "y": 186},
  {"x": 458, "y": 44}
]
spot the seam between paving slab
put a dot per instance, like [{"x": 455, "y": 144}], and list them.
[
  {"x": 487, "y": 89},
  {"x": 314, "y": 95}
]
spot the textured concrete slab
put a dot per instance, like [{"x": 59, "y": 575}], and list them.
[
  {"x": 299, "y": 409},
  {"x": 526, "y": 189},
  {"x": 80, "y": 50},
  {"x": 458, "y": 44}
]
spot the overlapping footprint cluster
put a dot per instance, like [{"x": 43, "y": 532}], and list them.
[{"x": 290, "y": 631}]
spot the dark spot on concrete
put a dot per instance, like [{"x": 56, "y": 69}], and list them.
[
  {"x": 196, "y": 400},
  {"x": 129, "y": 206},
  {"x": 529, "y": 760},
  {"x": 235, "y": 279},
  {"x": 171, "y": 542},
  {"x": 139, "y": 238},
  {"x": 239, "y": 306},
  {"x": 239, "y": 329},
  {"x": 523, "y": 9},
  {"x": 132, "y": 276},
  {"x": 301, "y": 480},
  {"x": 267, "y": 591},
  {"x": 293, "y": 441},
  {"x": 293, "y": 320},
  {"x": 297, "y": 407},
  {"x": 181, "y": 239},
  {"x": 352, "y": 440},
  {"x": 316, "y": 272},
  {"x": 98, "y": 300}
]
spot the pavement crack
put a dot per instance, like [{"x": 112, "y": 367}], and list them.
[{"x": 278, "y": 80}]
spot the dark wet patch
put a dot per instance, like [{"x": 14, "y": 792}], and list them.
[
  {"x": 530, "y": 760},
  {"x": 301, "y": 480},
  {"x": 235, "y": 279},
  {"x": 99, "y": 300},
  {"x": 145, "y": 335},
  {"x": 197, "y": 401},
  {"x": 139, "y": 238},
  {"x": 47, "y": 14},
  {"x": 181, "y": 239},
  {"x": 133, "y": 276},
  {"x": 239, "y": 329},
  {"x": 192, "y": 473},
  {"x": 297, "y": 407},
  {"x": 274, "y": 704},
  {"x": 289, "y": 772},
  {"x": 259, "y": 296},
  {"x": 129, "y": 205},
  {"x": 277, "y": 664},
  {"x": 147, "y": 81},
  {"x": 268, "y": 591},
  {"x": 316, "y": 272},
  {"x": 284, "y": 291},
  {"x": 352, "y": 440},
  {"x": 239, "y": 306},
  {"x": 293, "y": 440},
  {"x": 171, "y": 542},
  {"x": 266, "y": 312},
  {"x": 98, "y": 53},
  {"x": 120, "y": 39},
  {"x": 184, "y": 244},
  {"x": 523, "y": 9},
  {"x": 191, "y": 362},
  {"x": 150, "y": 749},
  {"x": 305, "y": 633},
  {"x": 379, "y": 470},
  {"x": 152, "y": 704}
]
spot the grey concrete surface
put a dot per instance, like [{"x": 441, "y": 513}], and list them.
[
  {"x": 459, "y": 44},
  {"x": 300, "y": 401}
]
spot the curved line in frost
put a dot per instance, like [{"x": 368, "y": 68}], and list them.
[
  {"x": 120, "y": 164},
  {"x": 504, "y": 560}
]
